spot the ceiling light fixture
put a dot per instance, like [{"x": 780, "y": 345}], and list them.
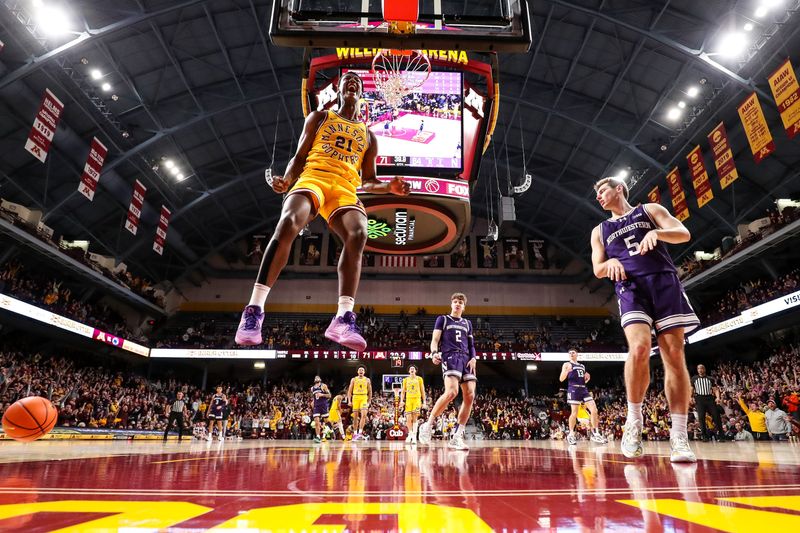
[
  {"x": 106, "y": 87},
  {"x": 682, "y": 104},
  {"x": 748, "y": 26},
  {"x": 674, "y": 113},
  {"x": 692, "y": 91},
  {"x": 732, "y": 44},
  {"x": 169, "y": 163},
  {"x": 52, "y": 20},
  {"x": 761, "y": 11},
  {"x": 96, "y": 74}
]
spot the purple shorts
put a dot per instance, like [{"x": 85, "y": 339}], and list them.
[
  {"x": 578, "y": 395},
  {"x": 455, "y": 364},
  {"x": 320, "y": 408},
  {"x": 657, "y": 300}
]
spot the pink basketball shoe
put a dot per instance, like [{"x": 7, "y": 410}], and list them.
[
  {"x": 343, "y": 329},
  {"x": 249, "y": 332}
]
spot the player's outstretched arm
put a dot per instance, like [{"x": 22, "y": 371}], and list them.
[
  {"x": 281, "y": 184},
  {"x": 369, "y": 178},
  {"x": 601, "y": 265},
  {"x": 566, "y": 368},
  {"x": 670, "y": 229}
]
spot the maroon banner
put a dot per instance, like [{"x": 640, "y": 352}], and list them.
[
  {"x": 697, "y": 168},
  {"x": 723, "y": 156},
  {"x": 135, "y": 209},
  {"x": 161, "y": 230},
  {"x": 44, "y": 126},
  {"x": 679, "y": 206},
  {"x": 92, "y": 169},
  {"x": 655, "y": 195}
]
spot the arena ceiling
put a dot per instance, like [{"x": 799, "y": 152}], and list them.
[{"x": 199, "y": 82}]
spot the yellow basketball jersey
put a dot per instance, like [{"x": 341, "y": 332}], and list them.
[
  {"x": 339, "y": 147},
  {"x": 413, "y": 386},
  {"x": 360, "y": 386}
]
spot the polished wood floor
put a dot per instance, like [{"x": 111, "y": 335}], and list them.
[{"x": 298, "y": 486}]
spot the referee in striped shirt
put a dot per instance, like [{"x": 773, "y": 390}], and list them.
[
  {"x": 705, "y": 396},
  {"x": 176, "y": 413}
]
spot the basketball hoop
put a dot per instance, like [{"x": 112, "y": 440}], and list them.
[{"x": 398, "y": 72}]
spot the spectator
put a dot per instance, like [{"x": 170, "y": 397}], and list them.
[{"x": 777, "y": 422}]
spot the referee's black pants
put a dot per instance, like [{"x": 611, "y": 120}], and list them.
[
  {"x": 705, "y": 404},
  {"x": 176, "y": 417}
]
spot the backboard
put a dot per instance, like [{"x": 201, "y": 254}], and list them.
[{"x": 499, "y": 25}]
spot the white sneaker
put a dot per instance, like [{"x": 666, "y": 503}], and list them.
[
  {"x": 598, "y": 438},
  {"x": 209, "y": 438},
  {"x": 457, "y": 443},
  {"x": 408, "y": 439},
  {"x": 631, "y": 443},
  {"x": 571, "y": 440},
  {"x": 221, "y": 438},
  {"x": 425, "y": 434},
  {"x": 681, "y": 453}
]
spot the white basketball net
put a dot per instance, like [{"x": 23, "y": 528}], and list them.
[{"x": 397, "y": 73}]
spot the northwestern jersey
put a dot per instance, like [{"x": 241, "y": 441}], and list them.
[
  {"x": 339, "y": 147},
  {"x": 621, "y": 239},
  {"x": 575, "y": 378},
  {"x": 456, "y": 333},
  {"x": 217, "y": 403}
]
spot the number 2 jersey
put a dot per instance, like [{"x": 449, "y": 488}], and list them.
[
  {"x": 456, "y": 335},
  {"x": 622, "y": 238}
]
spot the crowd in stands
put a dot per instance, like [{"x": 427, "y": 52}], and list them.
[
  {"x": 750, "y": 293},
  {"x": 50, "y": 293},
  {"x": 406, "y": 331},
  {"x": 137, "y": 284},
  {"x": 92, "y": 396},
  {"x": 775, "y": 220}
]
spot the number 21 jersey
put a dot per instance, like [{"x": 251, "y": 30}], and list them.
[
  {"x": 339, "y": 147},
  {"x": 622, "y": 238}
]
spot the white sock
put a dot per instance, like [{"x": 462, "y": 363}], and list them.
[
  {"x": 678, "y": 428},
  {"x": 259, "y": 296},
  {"x": 414, "y": 428},
  {"x": 341, "y": 429},
  {"x": 635, "y": 411},
  {"x": 460, "y": 430},
  {"x": 346, "y": 303}
]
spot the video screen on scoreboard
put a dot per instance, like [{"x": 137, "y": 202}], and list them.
[{"x": 425, "y": 131}]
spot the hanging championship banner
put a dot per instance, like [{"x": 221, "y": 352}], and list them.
[
  {"x": 678, "y": 195},
  {"x": 786, "y": 91},
  {"x": 92, "y": 168},
  {"x": 654, "y": 195},
  {"x": 723, "y": 156},
  {"x": 697, "y": 168},
  {"x": 755, "y": 126},
  {"x": 135, "y": 209},
  {"x": 44, "y": 126},
  {"x": 161, "y": 230}
]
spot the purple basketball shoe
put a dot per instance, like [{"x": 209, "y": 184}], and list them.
[
  {"x": 343, "y": 330},
  {"x": 249, "y": 332}
]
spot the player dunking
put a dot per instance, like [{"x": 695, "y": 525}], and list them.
[
  {"x": 216, "y": 413},
  {"x": 452, "y": 344},
  {"x": 359, "y": 396},
  {"x": 577, "y": 377},
  {"x": 322, "y": 178},
  {"x": 629, "y": 249},
  {"x": 412, "y": 396},
  {"x": 319, "y": 409}
]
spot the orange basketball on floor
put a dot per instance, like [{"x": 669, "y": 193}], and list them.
[{"x": 29, "y": 418}]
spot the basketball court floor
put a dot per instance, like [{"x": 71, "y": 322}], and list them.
[{"x": 296, "y": 486}]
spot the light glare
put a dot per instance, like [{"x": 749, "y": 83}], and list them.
[
  {"x": 106, "y": 87},
  {"x": 96, "y": 74},
  {"x": 52, "y": 20},
  {"x": 732, "y": 44},
  {"x": 674, "y": 113},
  {"x": 693, "y": 91}
]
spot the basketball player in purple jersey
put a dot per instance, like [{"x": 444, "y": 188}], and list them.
[
  {"x": 629, "y": 249},
  {"x": 319, "y": 408},
  {"x": 453, "y": 346},
  {"x": 577, "y": 377},
  {"x": 335, "y": 155}
]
